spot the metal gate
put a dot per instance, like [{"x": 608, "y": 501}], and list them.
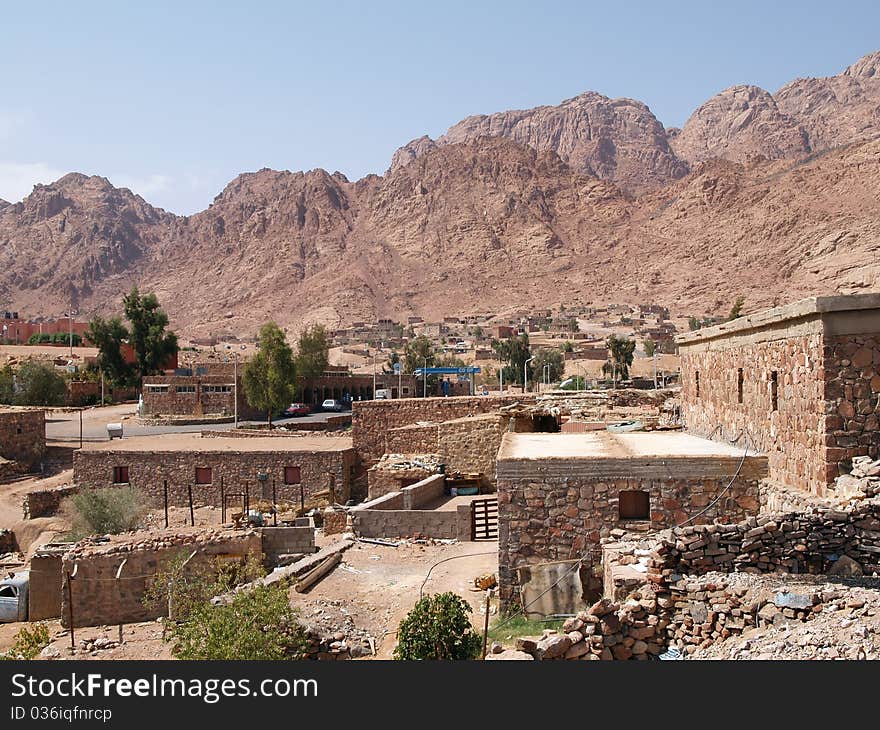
[{"x": 484, "y": 519}]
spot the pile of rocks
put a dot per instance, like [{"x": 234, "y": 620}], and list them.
[
  {"x": 193, "y": 538},
  {"x": 97, "y": 643},
  {"x": 333, "y": 635},
  {"x": 862, "y": 481}
]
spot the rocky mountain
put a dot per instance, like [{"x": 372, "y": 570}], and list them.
[
  {"x": 477, "y": 221},
  {"x": 619, "y": 140},
  {"x": 3, "y": 204},
  {"x": 740, "y": 122}
]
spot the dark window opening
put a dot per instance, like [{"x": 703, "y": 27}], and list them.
[
  {"x": 204, "y": 475},
  {"x": 18, "y": 430},
  {"x": 120, "y": 475},
  {"x": 8, "y": 592},
  {"x": 545, "y": 424},
  {"x": 739, "y": 385},
  {"x": 292, "y": 475},
  {"x": 697, "y": 382},
  {"x": 774, "y": 390},
  {"x": 634, "y": 505}
]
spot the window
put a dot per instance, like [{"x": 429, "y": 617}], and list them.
[
  {"x": 292, "y": 475},
  {"x": 203, "y": 475},
  {"x": 156, "y": 388},
  {"x": 697, "y": 382},
  {"x": 185, "y": 389},
  {"x": 216, "y": 388},
  {"x": 739, "y": 385},
  {"x": 634, "y": 505},
  {"x": 120, "y": 475},
  {"x": 406, "y": 390},
  {"x": 8, "y": 592},
  {"x": 774, "y": 390}
]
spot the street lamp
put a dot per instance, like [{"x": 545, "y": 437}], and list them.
[
  {"x": 526, "y": 373},
  {"x": 235, "y": 387}
]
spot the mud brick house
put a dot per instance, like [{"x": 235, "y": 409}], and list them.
[
  {"x": 801, "y": 380},
  {"x": 299, "y": 466}
]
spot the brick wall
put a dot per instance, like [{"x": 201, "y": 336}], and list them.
[
  {"x": 23, "y": 435},
  {"x": 99, "y": 599},
  {"x": 371, "y": 420},
  {"x": 553, "y": 509},
  {"x": 279, "y": 541},
  {"x": 148, "y": 470}
]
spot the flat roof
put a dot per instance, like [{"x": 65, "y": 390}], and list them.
[
  {"x": 604, "y": 444},
  {"x": 811, "y": 306},
  {"x": 195, "y": 442}
]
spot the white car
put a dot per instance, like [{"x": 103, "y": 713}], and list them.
[{"x": 331, "y": 404}]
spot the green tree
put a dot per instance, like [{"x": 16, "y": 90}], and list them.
[
  {"x": 568, "y": 346},
  {"x": 418, "y": 350},
  {"x": 152, "y": 345},
  {"x": 650, "y": 348},
  {"x": 552, "y": 358},
  {"x": 269, "y": 376},
  {"x": 38, "y": 384},
  {"x": 693, "y": 324},
  {"x": 736, "y": 309},
  {"x": 438, "y": 627},
  {"x": 7, "y": 381},
  {"x": 393, "y": 359},
  {"x": 312, "y": 352},
  {"x": 108, "y": 335},
  {"x": 513, "y": 353},
  {"x": 259, "y": 624},
  {"x": 621, "y": 352}
]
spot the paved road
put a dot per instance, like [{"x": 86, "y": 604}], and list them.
[{"x": 64, "y": 426}]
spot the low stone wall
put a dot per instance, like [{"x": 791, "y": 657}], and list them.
[
  {"x": 99, "y": 599},
  {"x": 371, "y": 420},
  {"x": 148, "y": 470},
  {"x": 385, "y": 480},
  {"x": 45, "y": 502},
  {"x": 23, "y": 435},
  {"x": 335, "y": 521},
  {"x": 278, "y": 541},
  {"x": 398, "y": 515},
  {"x": 794, "y": 542}
]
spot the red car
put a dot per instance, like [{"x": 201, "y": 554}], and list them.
[{"x": 297, "y": 409}]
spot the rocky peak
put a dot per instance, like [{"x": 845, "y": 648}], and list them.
[
  {"x": 619, "y": 140},
  {"x": 739, "y": 122},
  {"x": 867, "y": 67}
]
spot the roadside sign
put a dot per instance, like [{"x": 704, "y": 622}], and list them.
[{"x": 397, "y": 368}]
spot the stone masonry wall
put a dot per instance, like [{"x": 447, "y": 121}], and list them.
[
  {"x": 23, "y": 435},
  {"x": 792, "y": 436},
  {"x": 148, "y": 470},
  {"x": 471, "y": 444},
  {"x": 371, "y": 420},
  {"x": 100, "y": 599},
  {"x": 852, "y": 393},
  {"x": 45, "y": 502},
  {"x": 385, "y": 480},
  {"x": 546, "y": 514},
  {"x": 413, "y": 439}
]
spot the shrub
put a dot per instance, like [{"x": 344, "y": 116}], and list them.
[
  {"x": 29, "y": 642},
  {"x": 438, "y": 627},
  {"x": 38, "y": 384},
  {"x": 259, "y": 624},
  {"x": 104, "y": 511}
]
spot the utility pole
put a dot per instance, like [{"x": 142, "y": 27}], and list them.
[
  {"x": 70, "y": 325},
  {"x": 374, "y": 375},
  {"x": 425, "y": 374},
  {"x": 102, "y": 387},
  {"x": 526, "y": 374},
  {"x": 235, "y": 388}
]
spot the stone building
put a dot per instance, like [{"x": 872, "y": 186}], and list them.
[
  {"x": 298, "y": 466},
  {"x": 801, "y": 381},
  {"x": 560, "y": 494},
  {"x": 22, "y": 440},
  {"x": 208, "y": 389}
]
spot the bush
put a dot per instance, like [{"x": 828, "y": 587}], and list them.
[
  {"x": 29, "y": 642},
  {"x": 38, "y": 384},
  {"x": 259, "y": 624},
  {"x": 438, "y": 627},
  {"x": 104, "y": 511}
]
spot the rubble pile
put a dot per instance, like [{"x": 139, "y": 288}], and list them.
[
  {"x": 196, "y": 538},
  {"x": 332, "y": 633},
  {"x": 862, "y": 481},
  {"x": 427, "y": 462}
]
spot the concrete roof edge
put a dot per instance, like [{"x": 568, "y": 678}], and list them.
[{"x": 795, "y": 310}]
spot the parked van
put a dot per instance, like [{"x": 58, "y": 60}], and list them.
[
  {"x": 14, "y": 598},
  {"x": 383, "y": 394}
]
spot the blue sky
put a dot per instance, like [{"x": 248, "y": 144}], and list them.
[{"x": 175, "y": 99}]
